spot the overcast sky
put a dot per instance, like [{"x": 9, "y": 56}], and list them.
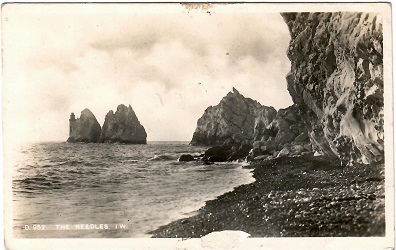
[{"x": 170, "y": 65}]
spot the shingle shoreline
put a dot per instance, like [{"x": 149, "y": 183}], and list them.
[{"x": 295, "y": 197}]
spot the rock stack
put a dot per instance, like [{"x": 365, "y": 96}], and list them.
[
  {"x": 122, "y": 126},
  {"x": 234, "y": 120},
  {"x": 84, "y": 129},
  {"x": 239, "y": 127}
]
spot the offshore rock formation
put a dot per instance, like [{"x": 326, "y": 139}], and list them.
[
  {"x": 123, "y": 126},
  {"x": 235, "y": 120},
  {"x": 84, "y": 129},
  {"x": 336, "y": 80},
  {"x": 286, "y": 135}
]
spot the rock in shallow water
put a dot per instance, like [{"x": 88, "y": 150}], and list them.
[{"x": 186, "y": 158}]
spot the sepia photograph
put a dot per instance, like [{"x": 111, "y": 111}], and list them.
[{"x": 197, "y": 126}]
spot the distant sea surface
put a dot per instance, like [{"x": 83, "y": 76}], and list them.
[{"x": 130, "y": 189}]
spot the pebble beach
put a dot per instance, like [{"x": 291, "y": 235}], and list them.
[{"x": 302, "y": 196}]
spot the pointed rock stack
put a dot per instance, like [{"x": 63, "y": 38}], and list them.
[
  {"x": 123, "y": 126},
  {"x": 240, "y": 127},
  {"x": 84, "y": 129},
  {"x": 233, "y": 121}
]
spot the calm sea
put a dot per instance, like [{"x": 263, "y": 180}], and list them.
[{"x": 112, "y": 190}]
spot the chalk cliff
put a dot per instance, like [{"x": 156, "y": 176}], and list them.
[
  {"x": 235, "y": 120},
  {"x": 336, "y": 81},
  {"x": 84, "y": 129},
  {"x": 123, "y": 126}
]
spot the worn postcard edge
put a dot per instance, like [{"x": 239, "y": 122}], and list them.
[{"x": 249, "y": 243}]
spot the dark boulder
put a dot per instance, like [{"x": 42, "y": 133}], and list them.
[
  {"x": 227, "y": 153},
  {"x": 186, "y": 157},
  {"x": 217, "y": 153},
  {"x": 240, "y": 153}
]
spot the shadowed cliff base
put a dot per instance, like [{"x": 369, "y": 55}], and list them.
[{"x": 303, "y": 196}]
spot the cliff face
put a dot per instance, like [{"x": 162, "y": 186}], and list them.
[
  {"x": 123, "y": 126},
  {"x": 84, "y": 129},
  {"x": 336, "y": 80},
  {"x": 234, "y": 120},
  {"x": 285, "y": 135}
]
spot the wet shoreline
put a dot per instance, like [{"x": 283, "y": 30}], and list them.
[{"x": 302, "y": 196}]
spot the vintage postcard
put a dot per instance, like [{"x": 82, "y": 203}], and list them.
[{"x": 197, "y": 126}]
